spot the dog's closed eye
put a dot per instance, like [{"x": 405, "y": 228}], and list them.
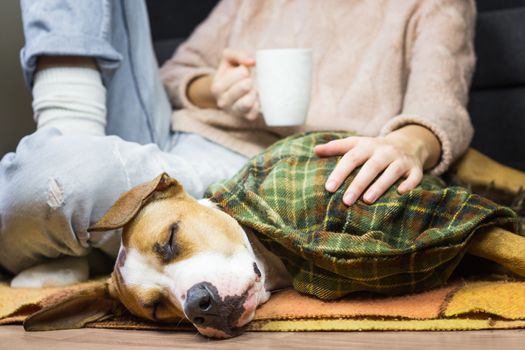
[
  {"x": 154, "y": 305},
  {"x": 168, "y": 250}
]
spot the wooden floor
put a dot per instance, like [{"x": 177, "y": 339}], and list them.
[{"x": 14, "y": 337}]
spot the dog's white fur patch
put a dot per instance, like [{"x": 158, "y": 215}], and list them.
[
  {"x": 208, "y": 203},
  {"x": 231, "y": 275},
  {"x": 275, "y": 274},
  {"x": 137, "y": 270}
]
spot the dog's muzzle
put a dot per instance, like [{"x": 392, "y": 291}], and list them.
[{"x": 207, "y": 310}]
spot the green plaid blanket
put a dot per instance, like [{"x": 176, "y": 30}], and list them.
[{"x": 400, "y": 244}]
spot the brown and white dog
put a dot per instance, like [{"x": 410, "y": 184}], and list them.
[
  {"x": 183, "y": 258},
  {"x": 179, "y": 258}
]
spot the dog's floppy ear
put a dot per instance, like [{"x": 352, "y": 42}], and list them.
[
  {"x": 90, "y": 304},
  {"x": 130, "y": 203}
]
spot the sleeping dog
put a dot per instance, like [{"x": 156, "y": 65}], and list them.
[
  {"x": 179, "y": 258},
  {"x": 183, "y": 258}
]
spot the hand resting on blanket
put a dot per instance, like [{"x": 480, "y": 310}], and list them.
[{"x": 405, "y": 152}]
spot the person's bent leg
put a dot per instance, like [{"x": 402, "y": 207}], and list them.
[
  {"x": 55, "y": 186},
  {"x": 116, "y": 35},
  {"x": 45, "y": 210},
  {"x": 113, "y": 38}
]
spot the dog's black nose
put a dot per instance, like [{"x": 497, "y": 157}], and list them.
[
  {"x": 205, "y": 308},
  {"x": 202, "y": 303},
  {"x": 201, "y": 299}
]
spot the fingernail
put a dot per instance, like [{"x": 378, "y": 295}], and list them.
[
  {"x": 330, "y": 185},
  {"x": 349, "y": 198},
  {"x": 370, "y": 197}
]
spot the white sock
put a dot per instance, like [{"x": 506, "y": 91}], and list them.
[
  {"x": 72, "y": 99},
  {"x": 55, "y": 273}
]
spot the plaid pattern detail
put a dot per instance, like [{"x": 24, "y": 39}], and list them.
[{"x": 400, "y": 244}]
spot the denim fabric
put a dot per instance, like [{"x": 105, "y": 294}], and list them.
[
  {"x": 115, "y": 33},
  {"x": 55, "y": 186}
]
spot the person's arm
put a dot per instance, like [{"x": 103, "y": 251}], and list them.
[
  {"x": 419, "y": 141},
  {"x": 441, "y": 67},
  {"x": 231, "y": 88},
  {"x": 189, "y": 71},
  {"x": 205, "y": 74},
  {"x": 404, "y": 153},
  {"x": 433, "y": 128},
  {"x": 68, "y": 94},
  {"x": 199, "y": 92}
]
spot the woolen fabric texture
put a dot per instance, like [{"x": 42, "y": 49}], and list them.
[
  {"x": 400, "y": 244},
  {"x": 378, "y": 66}
]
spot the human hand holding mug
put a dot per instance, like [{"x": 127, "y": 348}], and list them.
[{"x": 233, "y": 86}]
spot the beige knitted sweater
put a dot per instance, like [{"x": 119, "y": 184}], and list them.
[{"x": 378, "y": 65}]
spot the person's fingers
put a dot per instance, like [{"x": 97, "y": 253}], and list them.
[
  {"x": 364, "y": 178},
  {"x": 236, "y": 57},
  {"x": 344, "y": 167},
  {"x": 223, "y": 67},
  {"x": 223, "y": 82},
  {"x": 245, "y": 103},
  {"x": 336, "y": 147},
  {"x": 254, "y": 112},
  {"x": 414, "y": 178},
  {"x": 237, "y": 91},
  {"x": 392, "y": 173}
]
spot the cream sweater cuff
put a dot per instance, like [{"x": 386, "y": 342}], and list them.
[{"x": 71, "y": 99}]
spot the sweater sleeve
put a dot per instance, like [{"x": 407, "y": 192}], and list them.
[
  {"x": 200, "y": 54},
  {"x": 441, "y": 67}
]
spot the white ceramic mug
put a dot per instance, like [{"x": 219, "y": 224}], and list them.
[{"x": 284, "y": 82}]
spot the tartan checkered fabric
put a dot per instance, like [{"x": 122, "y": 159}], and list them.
[{"x": 400, "y": 244}]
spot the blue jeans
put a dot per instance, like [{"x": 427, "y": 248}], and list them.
[{"x": 55, "y": 186}]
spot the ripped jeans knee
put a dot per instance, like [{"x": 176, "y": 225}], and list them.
[
  {"x": 51, "y": 190},
  {"x": 54, "y": 187}
]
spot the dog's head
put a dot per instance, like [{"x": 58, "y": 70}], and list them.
[{"x": 179, "y": 258}]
